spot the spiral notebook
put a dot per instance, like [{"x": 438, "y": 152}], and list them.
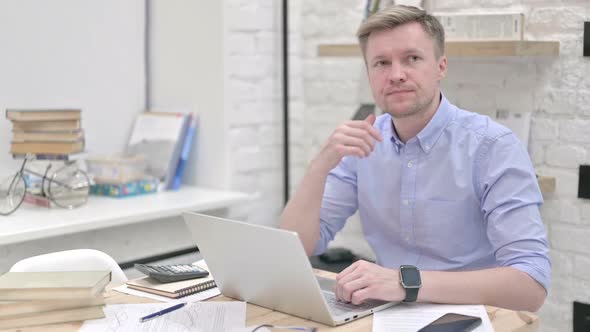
[{"x": 173, "y": 290}]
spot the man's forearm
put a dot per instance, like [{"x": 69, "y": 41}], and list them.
[
  {"x": 504, "y": 287},
  {"x": 302, "y": 213}
]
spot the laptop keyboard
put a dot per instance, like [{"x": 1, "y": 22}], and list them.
[{"x": 339, "y": 308}]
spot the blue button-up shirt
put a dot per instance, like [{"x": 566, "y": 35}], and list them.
[{"x": 461, "y": 195}]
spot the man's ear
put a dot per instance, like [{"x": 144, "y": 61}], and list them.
[{"x": 442, "y": 67}]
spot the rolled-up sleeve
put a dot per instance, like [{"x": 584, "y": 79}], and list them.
[
  {"x": 510, "y": 200},
  {"x": 338, "y": 203}
]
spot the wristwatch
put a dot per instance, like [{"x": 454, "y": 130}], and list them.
[{"x": 409, "y": 278}]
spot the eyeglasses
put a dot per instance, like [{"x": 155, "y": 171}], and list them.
[{"x": 67, "y": 187}]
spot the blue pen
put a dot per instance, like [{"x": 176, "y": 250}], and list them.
[{"x": 161, "y": 312}]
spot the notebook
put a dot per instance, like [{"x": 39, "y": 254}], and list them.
[
  {"x": 51, "y": 317},
  {"x": 172, "y": 289},
  {"x": 53, "y": 285}
]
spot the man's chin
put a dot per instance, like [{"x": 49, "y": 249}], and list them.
[{"x": 400, "y": 112}]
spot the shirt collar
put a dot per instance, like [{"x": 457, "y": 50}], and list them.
[
  {"x": 390, "y": 132},
  {"x": 428, "y": 136},
  {"x": 435, "y": 127}
]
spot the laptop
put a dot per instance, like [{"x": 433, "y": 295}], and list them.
[{"x": 268, "y": 267}]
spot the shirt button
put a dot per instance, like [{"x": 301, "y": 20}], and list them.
[
  {"x": 405, "y": 202},
  {"x": 407, "y": 239},
  {"x": 410, "y": 164}
]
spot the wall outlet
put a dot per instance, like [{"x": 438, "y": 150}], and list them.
[
  {"x": 584, "y": 182},
  {"x": 581, "y": 317}
]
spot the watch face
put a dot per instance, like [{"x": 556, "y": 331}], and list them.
[{"x": 410, "y": 276}]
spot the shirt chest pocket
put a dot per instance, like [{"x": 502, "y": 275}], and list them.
[{"x": 447, "y": 230}]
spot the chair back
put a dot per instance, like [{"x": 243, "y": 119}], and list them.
[{"x": 72, "y": 260}]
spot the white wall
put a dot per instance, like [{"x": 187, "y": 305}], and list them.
[
  {"x": 253, "y": 105},
  {"x": 222, "y": 60},
  {"x": 554, "y": 88},
  {"x": 187, "y": 61},
  {"x": 72, "y": 53}
]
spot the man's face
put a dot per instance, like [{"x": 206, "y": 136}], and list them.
[{"x": 404, "y": 70}]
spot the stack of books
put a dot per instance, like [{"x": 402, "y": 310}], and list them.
[
  {"x": 39, "y": 298},
  {"x": 46, "y": 132}
]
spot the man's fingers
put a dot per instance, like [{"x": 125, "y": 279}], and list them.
[
  {"x": 362, "y": 134},
  {"x": 360, "y": 295},
  {"x": 371, "y": 119},
  {"x": 364, "y": 125},
  {"x": 349, "y": 150},
  {"x": 353, "y": 141},
  {"x": 348, "y": 278},
  {"x": 347, "y": 270},
  {"x": 351, "y": 287}
]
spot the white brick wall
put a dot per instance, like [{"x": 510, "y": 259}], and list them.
[
  {"x": 554, "y": 88},
  {"x": 254, "y": 93}
]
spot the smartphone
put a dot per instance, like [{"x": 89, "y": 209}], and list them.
[{"x": 453, "y": 323}]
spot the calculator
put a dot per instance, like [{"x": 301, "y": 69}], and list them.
[{"x": 171, "y": 273}]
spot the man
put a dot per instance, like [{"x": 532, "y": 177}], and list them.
[{"x": 447, "y": 193}]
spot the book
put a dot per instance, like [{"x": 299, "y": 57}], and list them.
[
  {"x": 173, "y": 290},
  {"x": 44, "y": 156},
  {"x": 52, "y": 285},
  {"x": 14, "y": 308},
  {"x": 185, "y": 153},
  {"x": 482, "y": 26},
  {"x": 46, "y": 147},
  {"x": 52, "y": 317},
  {"x": 43, "y": 114},
  {"x": 46, "y": 126},
  {"x": 52, "y": 136},
  {"x": 38, "y": 200},
  {"x": 159, "y": 137}
]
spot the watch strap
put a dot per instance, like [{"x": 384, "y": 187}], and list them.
[{"x": 411, "y": 294}]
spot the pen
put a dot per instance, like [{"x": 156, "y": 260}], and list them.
[{"x": 161, "y": 312}]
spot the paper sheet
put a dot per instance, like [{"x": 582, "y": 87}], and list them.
[
  {"x": 201, "y": 296},
  {"x": 197, "y": 316},
  {"x": 412, "y": 317}
]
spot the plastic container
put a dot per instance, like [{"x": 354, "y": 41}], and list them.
[
  {"x": 133, "y": 188},
  {"x": 117, "y": 169}
]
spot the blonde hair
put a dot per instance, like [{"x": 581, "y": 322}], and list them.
[{"x": 394, "y": 16}]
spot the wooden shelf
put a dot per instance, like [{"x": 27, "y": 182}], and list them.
[
  {"x": 464, "y": 48},
  {"x": 31, "y": 222}
]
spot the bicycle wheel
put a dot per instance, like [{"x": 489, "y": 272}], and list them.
[
  {"x": 69, "y": 187},
  {"x": 12, "y": 193}
]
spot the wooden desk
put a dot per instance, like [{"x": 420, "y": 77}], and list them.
[{"x": 503, "y": 320}]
